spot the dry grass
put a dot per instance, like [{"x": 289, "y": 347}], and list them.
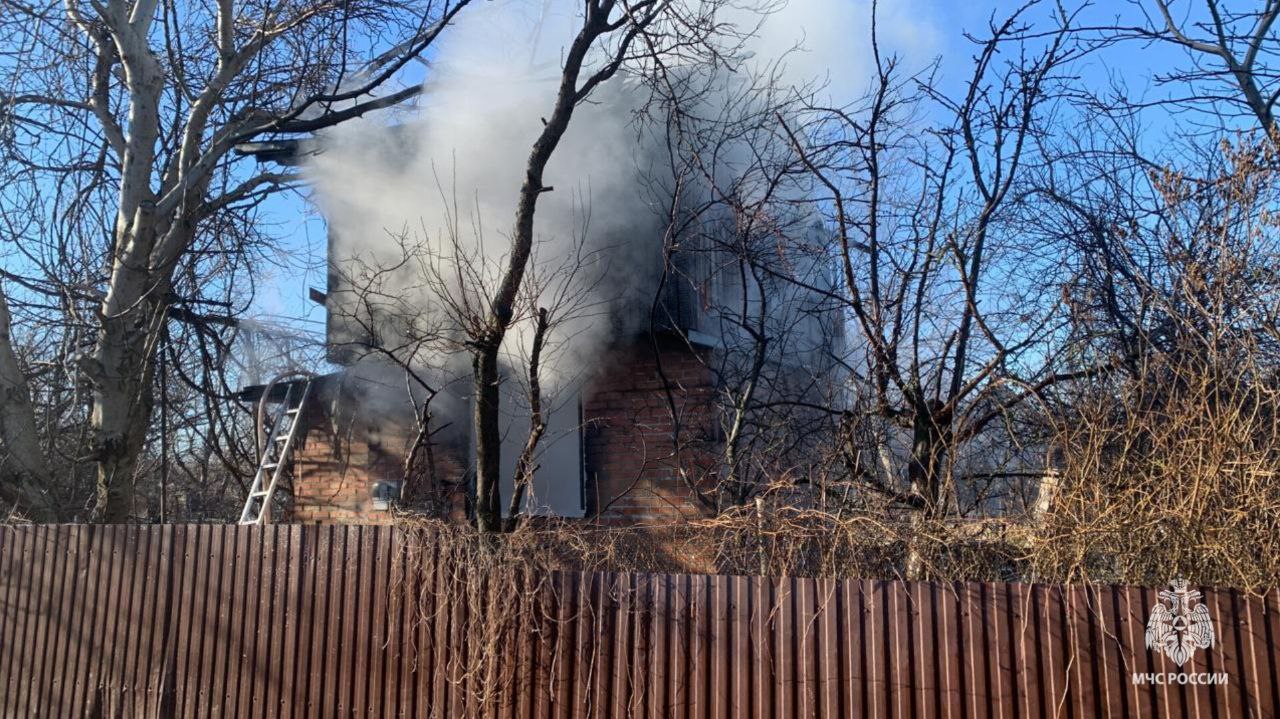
[
  {"x": 786, "y": 541},
  {"x": 1177, "y": 478}
]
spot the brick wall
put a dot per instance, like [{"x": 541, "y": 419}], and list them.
[
  {"x": 335, "y": 464},
  {"x": 345, "y": 446},
  {"x": 633, "y": 465}
]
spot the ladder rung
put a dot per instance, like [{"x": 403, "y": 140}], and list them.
[
  {"x": 293, "y": 410},
  {"x": 258, "y": 494},
  {"x": 282, "y": 438},
  {"x": 270, "y": 465}
]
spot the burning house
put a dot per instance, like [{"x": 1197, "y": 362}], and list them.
[
  {"x": 642, "y": 379},
  {"x": 636, "y": 422},
  {"x": 672, "y": 312}
]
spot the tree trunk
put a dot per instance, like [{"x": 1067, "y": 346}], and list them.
[
  {"x": 120, "y": 368},
  {"x": 122, "y": 404},
  {"x": 488, "y": 440},
  {"x": 924, "y": 471},
  {"x": 537, "y": 426},
  {"x": 24, "y": 477},
  {"x": 502, "y": 305}
]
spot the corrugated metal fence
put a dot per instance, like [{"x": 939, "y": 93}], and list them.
[{"x": 318, "y": 621}]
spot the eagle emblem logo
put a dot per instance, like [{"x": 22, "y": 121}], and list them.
[{"x": 1182, "y": 626}]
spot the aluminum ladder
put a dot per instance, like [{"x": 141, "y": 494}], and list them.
[{"x": 275, "y": 450}]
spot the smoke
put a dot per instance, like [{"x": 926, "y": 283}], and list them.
[
  {"x": 828, "y": 42},
  {"x": 445, "y": 180}
]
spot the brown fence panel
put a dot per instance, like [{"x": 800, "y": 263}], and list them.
[{"x": 339, "y": 621}]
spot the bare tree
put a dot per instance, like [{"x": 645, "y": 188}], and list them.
[
  {"x": 413, "y": 308},
  {"x": 1230, "y": 51},
  {"x": 620, "y": 32},
  {"x": 171, "y": 89},
  {"x": 953, "y": 335},
  {"x": 1182, "y": 444}
]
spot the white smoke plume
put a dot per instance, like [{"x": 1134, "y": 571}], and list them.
[{"x": 449, "y": 175}]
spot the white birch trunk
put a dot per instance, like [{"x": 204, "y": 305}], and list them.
[{"x": 24, "y": 471}]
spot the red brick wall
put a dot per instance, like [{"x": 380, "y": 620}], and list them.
[
  {"x": 334, "y": 467},
  {"x": 633, "y": 467}
]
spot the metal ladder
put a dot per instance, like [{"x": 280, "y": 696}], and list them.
[{"x": 275, "y": 452}]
